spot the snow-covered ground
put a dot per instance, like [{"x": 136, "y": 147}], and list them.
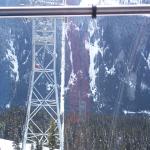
[
  {"x": 8, "y": 145},
  {"x": 139, "y": 112}
]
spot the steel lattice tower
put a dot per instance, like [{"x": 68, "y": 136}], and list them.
[{"x": 43, "y": 99}]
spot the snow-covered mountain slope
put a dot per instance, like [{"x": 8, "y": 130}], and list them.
[
  {"x": 97, "y": 54},
  {"x": 112, "y": 51},
  {"x": 118, "y": 62}
]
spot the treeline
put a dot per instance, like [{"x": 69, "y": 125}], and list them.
[
  {"x": 98, "y": 132},
  {"x": 11, "y": 124},
  {"x": 103, "y": 132}
]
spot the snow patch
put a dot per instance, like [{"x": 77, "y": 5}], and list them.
[
  {"x": 93, "y": 49},
  {"x": 101, "y": 105},
  {"x": 13, "y": 61},
  {"x": 120, "y": 56},
  {"x": 62, "y": 99},
  {"x": 132, "y": 80},
  {"x": 139, "y": 112},
  {"x": 25, "y": 41},
  {"x": 8, "y": 145},
  {"x": 110, "y": 71},
  {"x": 131, "y": 85},
  {"x": 49, "y": 86},
  {"x": 148, "y": 61},
  {"x": 8, "y": 105},
  {"x": 77, "y": 28},
  {"x": 73, "y": 79},
  {"x": 26, "y": 60},
  {"x": 144, "y": 86},
  {"x": 71, "y": 58},
  {"x": 69, "y": 43},
  {"x": 92, "y": 26}
]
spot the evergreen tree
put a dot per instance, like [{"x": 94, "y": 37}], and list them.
[
  {"x": 38, "y": 146},
  {"x": 16, "y": 146},
  {"x": 52, "y": 141},
  {"x": 32, "y": 147},
  {"x": 2, "y": 128},
  {"x": 16, "y": 139}
]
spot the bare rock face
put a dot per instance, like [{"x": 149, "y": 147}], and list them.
[
  {"x": 15, "y": 61},
  {"x": 78, "y": 100}
]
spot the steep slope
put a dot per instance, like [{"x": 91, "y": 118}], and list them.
[
  {"x": 15, "y": 56},
  {"x": 122, "y": 63},
  {"x": 115, "y": 52}
]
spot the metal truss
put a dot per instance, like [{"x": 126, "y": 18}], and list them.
[{"x": 43, "y": 99}]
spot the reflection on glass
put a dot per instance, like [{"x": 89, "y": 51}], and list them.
[
  {"x": 71, "y": 2},
  {"x": 109, "y": 80},
  {"x": 102, "y": 71}
]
